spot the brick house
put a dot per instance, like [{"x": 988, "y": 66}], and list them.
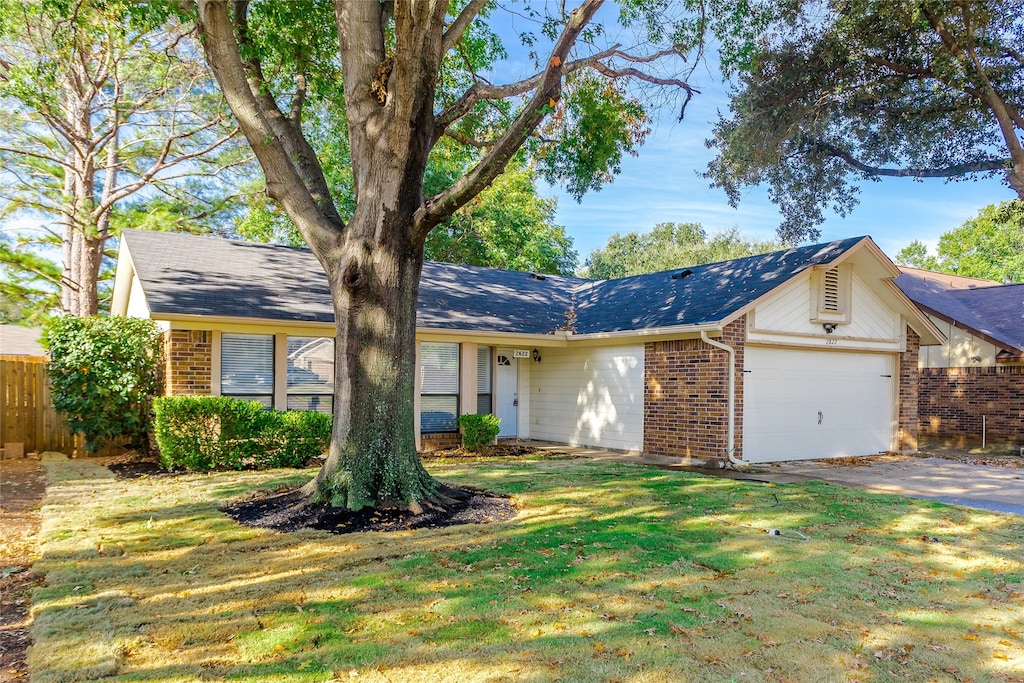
[
  {"x": 807, "y": 352},
  {"x": 974, "y": 382}
]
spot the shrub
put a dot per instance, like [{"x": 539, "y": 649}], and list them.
[
  {"x": 202, "y": 433},
  {"x": 478, "y": 431},
  {"x": 103, "y": 372}
]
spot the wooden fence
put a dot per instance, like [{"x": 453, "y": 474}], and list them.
[{"x": 26, "y": 414}]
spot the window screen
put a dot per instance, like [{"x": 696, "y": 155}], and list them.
[
  {"x": 484, "y": 378},
  {"x": 311, "y": 373},
  {"x": 247, "y": 367},
  {"x": 439, "y": 387}
]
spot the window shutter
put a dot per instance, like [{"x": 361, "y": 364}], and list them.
[
  {"x": 247, "y": 364},
  {"x": 483, "y": 369}
]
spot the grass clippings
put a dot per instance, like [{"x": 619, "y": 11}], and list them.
[{"x": 608, "y": 572}]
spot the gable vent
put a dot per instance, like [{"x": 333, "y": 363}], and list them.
[{"x": 831, "y": 302}]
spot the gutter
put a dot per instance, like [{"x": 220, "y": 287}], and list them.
[{"x": 730, "y": 448}]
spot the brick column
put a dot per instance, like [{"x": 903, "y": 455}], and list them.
[
  {"x": 907, "y": 401},
  {"x": 188, "y": 362}
]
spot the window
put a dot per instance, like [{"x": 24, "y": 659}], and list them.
[
  {"x": 247, "y": 367},
  {"x": 439, "y": 387},
  {"x": 483, "y": 380},
  {"x": 311, "y": 374}
]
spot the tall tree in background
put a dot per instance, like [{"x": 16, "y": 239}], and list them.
[
  {"x": 411, "y": 74},
  {"x": 110, "y": 117},
  {"x": 668, "y": 246},
  {"x": 989, "y": 246},
  {"x": 854, "y": 90}
]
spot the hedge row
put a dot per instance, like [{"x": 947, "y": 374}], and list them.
[{"x": 202, "y": 433}]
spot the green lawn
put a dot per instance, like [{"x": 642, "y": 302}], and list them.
[{"x": 608, "y": 573}]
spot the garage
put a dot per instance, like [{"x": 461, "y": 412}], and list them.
[{"x": 805, "y": 403}]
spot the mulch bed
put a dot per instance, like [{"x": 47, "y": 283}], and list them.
[
  {"x": 292, "y": 511},
  {"x": 22, "y": 485}
]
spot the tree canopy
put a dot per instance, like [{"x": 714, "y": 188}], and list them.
[
  {"x": 110, "y": 119},
  {"x": 855, "y": 90},
  {"x": 668, "y": 246},
  {"x": 989, "y": 246},
  {"x": 406, "y": 80}
]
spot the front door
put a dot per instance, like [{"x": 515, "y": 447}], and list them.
[{"x": 507, "y": 398}]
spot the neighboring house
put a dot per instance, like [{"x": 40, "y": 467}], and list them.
[
  {"x": 803, "y": 353},
  {"x": 973, "y": 383},
  {"x": 20, "y": 341}
]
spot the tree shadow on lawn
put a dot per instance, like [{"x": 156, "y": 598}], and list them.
[{"x": 607, "y": 572}]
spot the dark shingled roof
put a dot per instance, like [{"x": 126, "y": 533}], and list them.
[
  {"x": 184, "y": 274},
  {"x": 996, "y": 311}
]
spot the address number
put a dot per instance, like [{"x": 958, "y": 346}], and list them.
[{"x": 520, "y": 353}]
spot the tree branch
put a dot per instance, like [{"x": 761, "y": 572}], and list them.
[
  {"x": 945, "y": 172},
  {"x": 440, "y": 207},
  {"x": 484, "y": 91},
  {"x": 318, "y": 219},
  {"x": 461, "y": 23}
]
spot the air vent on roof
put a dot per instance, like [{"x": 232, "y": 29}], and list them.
[
  {"x": 831, "y": 290},
  {"x": 538, "y": 276},
  {"x": 682, "y": 274}
]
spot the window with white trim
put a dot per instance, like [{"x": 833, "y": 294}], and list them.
[
  {"x": 439, "y": 387},
  {"x": 310, "y": 373},
  {"x": 247, "y": 367},
  {"x": 484, "y": 380}
]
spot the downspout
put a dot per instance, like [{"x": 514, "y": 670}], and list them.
[{"x": 731, "y": 433}]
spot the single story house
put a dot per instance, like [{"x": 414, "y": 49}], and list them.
[
  {"x": 807, "y": 352},
  {"x": 973, "y": 383}
]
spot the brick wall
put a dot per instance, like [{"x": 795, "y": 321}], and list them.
[
  {"x": 440, "y": 441},
  {"x": 686, "y": 395},
  {"x": 953, "y": 401},
  {"x": 909, "y": 386},
  {"x": 188, "y": 362}
]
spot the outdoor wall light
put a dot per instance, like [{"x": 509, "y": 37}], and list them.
[
  {"x": 829, "y": 327},
  {"x": 535, "y": 355}
]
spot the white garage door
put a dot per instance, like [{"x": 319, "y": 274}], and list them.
[{"x": 802, "y": 404}]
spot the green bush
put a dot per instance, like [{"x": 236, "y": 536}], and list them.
[
  {"x": 202, "y": 433},
  {"x": 103, "y": 372},
  {"x": 478, "y": 431}
]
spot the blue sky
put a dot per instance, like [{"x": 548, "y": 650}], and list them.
[{"x": 663, "y": 182}]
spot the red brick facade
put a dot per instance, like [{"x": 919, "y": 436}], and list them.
[
  {"x": 188, "y": 362},
  {"x": 953, "y": 401},
  {"x": 686, "y": 395},
  {"x": 440, "y": 441},
  {"x": 907, "y": 401}
]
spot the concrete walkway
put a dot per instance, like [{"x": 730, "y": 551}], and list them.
[{"x": 986, "y": 487}]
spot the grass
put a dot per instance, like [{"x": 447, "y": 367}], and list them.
[{"x": 609, "y": 573}]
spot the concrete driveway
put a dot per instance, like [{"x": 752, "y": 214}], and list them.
[{"x": 988, "y": 487}]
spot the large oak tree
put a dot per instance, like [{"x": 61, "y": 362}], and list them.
[
  {"x": 850, "y": 90},
  {"x": 404, "y": 75}
]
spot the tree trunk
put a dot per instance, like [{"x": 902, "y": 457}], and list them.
[{"x": 373, "y": 459}]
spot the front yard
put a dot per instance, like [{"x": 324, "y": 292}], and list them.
[{"x": 608, "y": 573}]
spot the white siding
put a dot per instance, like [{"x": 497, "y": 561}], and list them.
[
  {"x": 788, "y": 311},
  {"x": 959, "y": 352},
  {"x": 138, "y": 307},
  {"x": 588, "y": 397}
]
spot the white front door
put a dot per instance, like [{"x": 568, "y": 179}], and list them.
[
  {"x": 507, "y": 397},
  {"x": 802, "y": 404}
]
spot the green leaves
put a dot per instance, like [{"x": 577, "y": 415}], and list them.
[
  {"x": 103, "y": 372},
  {"x": 990, "y": 246},
  {"x": 668, "y": 246}
]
